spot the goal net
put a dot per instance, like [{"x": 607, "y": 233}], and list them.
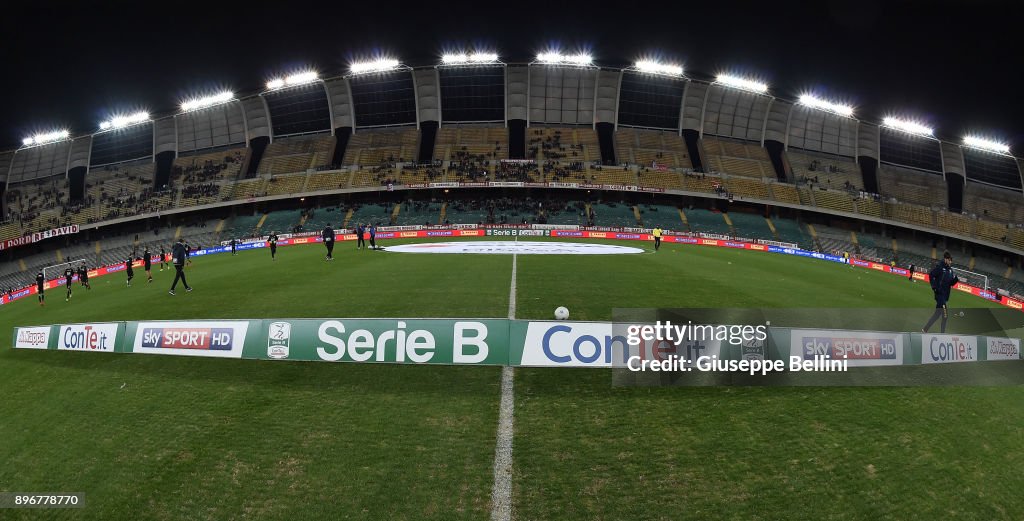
[
  {"x": 974, "y": 279},
  {"x": 57, "y": 270}
]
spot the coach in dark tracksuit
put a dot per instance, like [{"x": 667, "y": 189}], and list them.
[
  {"x": 942, "y": 280},
  {"x": 360, "y": 234},
  {"x": 178, "y": 259},
  {"x": 328, "y": 236}
]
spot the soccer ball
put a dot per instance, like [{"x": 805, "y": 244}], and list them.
[{"x": 561, "y": 313}]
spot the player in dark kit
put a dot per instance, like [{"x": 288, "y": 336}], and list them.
[
  {"x": 234, "y": 243},
  {"x": 40, "y": 286},
  {"x": 69, "y": 275},
  {"x": 360, "y": 233},
  {"x": 910, "y": 277},
  {"x": 147, "y": 263},
  {"x": 83, "y": 276},
  {"x": 163, "y": 257},
  {"x": 178, "y": 259},
  {"x": 128, "y": 269},
  {"x": 328, "y": 236},
  {"x": 272, "y": 241},
  {"x": 373, "y": 236},
  {"x": 188, "y": 254},
  {"x": 942, "y": 279}
]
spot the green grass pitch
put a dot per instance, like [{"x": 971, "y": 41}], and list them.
[{"x": 161, "y": 437}]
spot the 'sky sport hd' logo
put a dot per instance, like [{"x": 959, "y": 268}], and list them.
[
  {"x": 278, "y": 337},
  {"x": 857, "y": 348},
  {"x": 214, "y": 339}
]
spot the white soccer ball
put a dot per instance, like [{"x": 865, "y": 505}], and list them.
[{"x": 562, "y": 313}]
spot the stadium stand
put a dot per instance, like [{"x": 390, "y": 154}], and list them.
[
  {"x": 374, "y": 147},
  {"x": 613, "y": 214},
  {"x": 556, "y": 144},
  {"x": 286, "y": 184},
  {"x": 912, "y": 186},
  {"x": 829, "y": 171},
  {"x": 908, "y": 213},
  {"x": 784, "y": 193},
  {"x": 328, "y": 180},
  {"x": 706, "y": 221},
  {"x": 459, "y": 141},
  {"x": 651, "y": 147},
  {"x": 750, "y": 226},
  {"x": 834, "y": 200},
  {"x": 746, "y": 187},
  {"x": 737, "y": 158},
  {"x": 994, "y": 203},
  {"x": 419, "y": 212},
  {"x": 297, "y": 154},
  {"x": 35, "y": 205},
  {"x": 222, "y": 165}
]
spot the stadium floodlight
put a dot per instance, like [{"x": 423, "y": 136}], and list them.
[
  {"x": 469, "y": 58},
  {"x": 910, "y": 127},
  {"x": 654, "y": 67},
  {"x": 828, "y": 106},
  {"x": 49, "y": 137},
  {"x": 293, "y": 80},
  {"x": 207, "y": 101},
  {"x": 557, "y": 58},
  {"x": 378, "y": 65},
  {"x": 986, "y": 144},
  {"x": 737, "y": 82},
  {"x": 124, "y": 121}
]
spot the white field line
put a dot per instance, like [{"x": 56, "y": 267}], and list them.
[{"x": 501, "y": 493}]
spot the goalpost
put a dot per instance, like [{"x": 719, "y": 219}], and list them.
[
  {"x": 974, "y": 279},
  {"x": 57, "y": 270}
]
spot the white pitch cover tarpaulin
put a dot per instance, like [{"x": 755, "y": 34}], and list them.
[{"x": 515, "y": 248}]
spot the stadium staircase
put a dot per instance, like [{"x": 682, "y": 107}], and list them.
[
  {"x": 444, "y": 213},
  {"x": 728, "y": 222},
  {"x": 682, "y": 217},
  {"x": 707, "y": 221},
  {"x": 771, "y": 226},
  {"x": 348, "y": 217},
  {"x": 394, "y": 213},
  {"x": 636, "y": 214},
  {"x": 259, "y": 225}
]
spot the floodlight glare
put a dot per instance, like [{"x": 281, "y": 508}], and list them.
[
  {"x": 379, "y": 65},
  {"x": 449, "y": 59},
  {"x": 208, "y": 101},
  {"x": 910, "y": 127},
  {"x": 42, "y": 139},
  {"x": 483, "y": 57},
  {"x": 293, "y": 80},
  {"x": 557, "y": 57},
  {"x": 828, "y": 106},
  {"x": 653, "y": 67},
  {"x": 986, "y": 144},
  {"x": 124, "y": 121},
  {"x": 741, "y": 83}
]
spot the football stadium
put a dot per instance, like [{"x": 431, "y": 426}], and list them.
[{"x": 553, "y": 287}]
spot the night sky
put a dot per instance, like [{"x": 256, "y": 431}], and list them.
[{"x": 954, "y": 65}]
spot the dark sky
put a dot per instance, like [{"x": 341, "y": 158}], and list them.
[{"x": 954, "y": 64}]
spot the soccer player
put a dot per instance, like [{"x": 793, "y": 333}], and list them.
[
  {"x": 373, "y": 236},
  {"x": 942, "y": 280},
  {"x": 69, "y": 275},
  {"x": 163, "y": 257},
  {"x": 188, "y": 253},
  {"x": 272, "y": 241},
  {"x": 147, "y": 262},
  {"x": 233, "y": 245},
  {"x": 129, "y": 270},
  {"x": 911, "y": 276},
  {"x": 40, "y": 284},
  {"x": 178, "y": 259},
  {"x": 360, "y": 231},
  {"x": 328, "y": 235},
  {"x": 657, "y": 238},
  {"x": 83, "y": 276}
]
